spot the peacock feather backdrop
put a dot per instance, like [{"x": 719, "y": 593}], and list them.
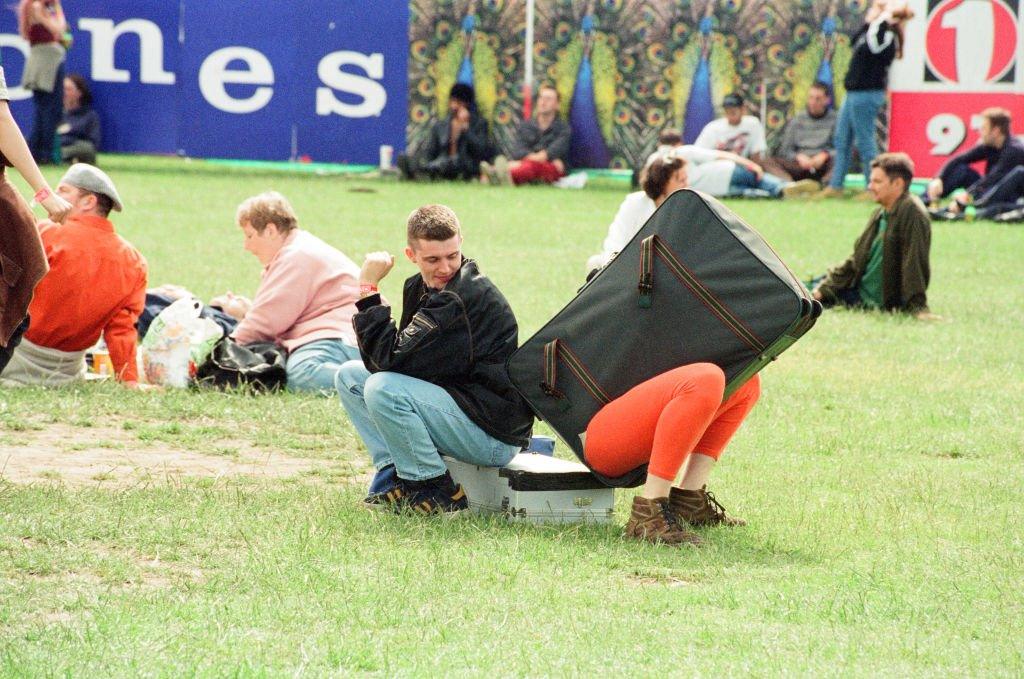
[
  {"x": 478, "y": 42},
  {"x": 628, "y": 69}
]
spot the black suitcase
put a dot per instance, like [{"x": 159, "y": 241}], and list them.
[{"x": 696, "y": 284}]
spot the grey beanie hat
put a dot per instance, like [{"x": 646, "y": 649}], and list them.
[{"x": 91, "y": 178}]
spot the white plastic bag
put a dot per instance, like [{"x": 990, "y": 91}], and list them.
[{"x": 166, "y": 348}]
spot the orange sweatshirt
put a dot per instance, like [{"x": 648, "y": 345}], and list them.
[{"x": 96, "y": 284}]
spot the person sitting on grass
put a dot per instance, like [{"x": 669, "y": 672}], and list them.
[
  {"x": 80, "y": 129},
  {"x": 806, "y": 149},
  {"x": 541, "y": 148},
  {"x": 96, "y": 285},
  {"x": 436, "y": 380},
  {"x": 306, "y": 297},
  {"x": 676, "y": 422},
  {"x": 662, "y": 177},
  {"x": 1003, "y": 182},
  {"x": 889, "y": 266},
  {"x": 455, "y": 146}
]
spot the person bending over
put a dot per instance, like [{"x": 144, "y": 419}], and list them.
[
  {"x": 541, "y": 148},
  {"x": 435, "y": 380},
  {"x": 663, "y": 176},
  {"x": 889, "y": 266},
  {"x": 678, "y": 424},
  {"x": 306, "y": 297},
  {"x": 96, "y": 286}
]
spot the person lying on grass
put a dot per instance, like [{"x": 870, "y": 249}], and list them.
[
  {"x": 663, "y": 176},
  {"x": 889, "y": 266},
  {"x": 435, "y": 380},
  {"x": 306, "y": 297}
]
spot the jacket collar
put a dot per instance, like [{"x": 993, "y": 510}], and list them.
[{"x": 92, "y": 222}]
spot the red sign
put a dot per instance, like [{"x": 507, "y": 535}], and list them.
[
  {"x": 932, "y": 126},
  {"x": 969, "y": 42}
]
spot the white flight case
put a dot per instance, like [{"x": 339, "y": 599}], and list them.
[{"x": 536, "y": 488}]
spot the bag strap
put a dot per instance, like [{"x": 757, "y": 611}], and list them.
[
  {"x": 557, "y": 349},
  {"x": 654, "y": 245}
]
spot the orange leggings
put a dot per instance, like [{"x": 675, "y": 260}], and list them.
[{"x": 664, "y": 419}]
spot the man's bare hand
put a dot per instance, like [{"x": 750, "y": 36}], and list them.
[
  {"x": 804, "y": 161},
  {"x": 376, "y": 266}
]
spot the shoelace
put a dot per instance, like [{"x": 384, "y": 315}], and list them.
[{"x": 718, "y": 511}]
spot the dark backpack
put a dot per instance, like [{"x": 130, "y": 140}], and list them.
[{"x": 230, "y": 365}]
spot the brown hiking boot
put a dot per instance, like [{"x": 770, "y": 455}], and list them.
[
  {"x": 653, "y": 521},
  {"x": 700, "y": 508}
]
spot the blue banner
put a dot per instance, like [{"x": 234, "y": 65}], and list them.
[{"x": 253, "y": 80}]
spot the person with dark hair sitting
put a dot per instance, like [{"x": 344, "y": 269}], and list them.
[
  {"x": 806, "y": 150},
  {"x": 541, "y": 148},
  {"x": 80, "y": 130},
  {"x": 96, "y": 286},
  {"x": 456, "y": 145},
  {"x": 889, "y": 267}
]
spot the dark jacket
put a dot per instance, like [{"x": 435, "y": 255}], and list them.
[
  {"x": 555, "y": 140},
  {"x": 458, "y": 338},
  {"x": 22, "y": 260},
  {"x": 905, "y": 268},
  {"x": 473, "y": 146},
  {"x": 874, "y": 48},
  {"x": 83, "y": 124},
  {"x": 998, "y": 163}
]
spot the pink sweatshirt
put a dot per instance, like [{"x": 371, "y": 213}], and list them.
[{"x": 308, "y": 292}]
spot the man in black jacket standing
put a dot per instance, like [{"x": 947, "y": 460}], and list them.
[{"x": 436, "y": 381}]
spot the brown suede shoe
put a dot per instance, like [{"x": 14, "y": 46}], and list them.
[
  {"x": 653, "y": 521},
  {"x": 700, "y": 508}
]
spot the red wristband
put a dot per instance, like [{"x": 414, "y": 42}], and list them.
[
  {"x": 41, "y": 195},
  {"x": 367, "y": 289}
]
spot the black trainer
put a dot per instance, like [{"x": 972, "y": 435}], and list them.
[
  {"x": 384, "y": 481},
  {"x": 439, "y": 495}
]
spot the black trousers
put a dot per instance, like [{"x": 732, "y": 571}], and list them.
[{"x": 12, "y": 344}]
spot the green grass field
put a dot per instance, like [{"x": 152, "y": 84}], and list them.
[{"x": 881, "y": 474}]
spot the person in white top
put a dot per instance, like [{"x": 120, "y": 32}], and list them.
[
  {"x": 663, "y": 176},
  {"x": 735, "y": 132}
]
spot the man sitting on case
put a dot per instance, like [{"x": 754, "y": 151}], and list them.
[{"x": 435, "y": 381}]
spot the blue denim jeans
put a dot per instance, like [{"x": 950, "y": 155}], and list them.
[
  {"x": 409, "y": 422},
  {"x": 856, "y": 125},
  {"x": 313, "y": 366},
  {"x": 49, "y": 109},
  {"x": 743, "y": 180}
]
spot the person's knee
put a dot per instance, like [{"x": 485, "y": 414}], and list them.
[
  {"x": 351, "y": 375},
  {"x": 383, "y": 390},
  {"x": 701, "y": 381}
]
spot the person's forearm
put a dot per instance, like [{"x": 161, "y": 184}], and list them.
[{"x": 13, "y": 146}]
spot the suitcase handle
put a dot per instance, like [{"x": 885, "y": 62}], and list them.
[
  {"x": 654, "y": 245},
  {"x": 557, "y": 349}
]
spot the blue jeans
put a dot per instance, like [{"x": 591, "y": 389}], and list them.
[
  {"x": 313, "y": 366},
  {"x": 856, "y": 124},
  {"x": 49, "y": 109},
  {"x": 743, "y": 180},
  {"x": 408, "y": 422}
]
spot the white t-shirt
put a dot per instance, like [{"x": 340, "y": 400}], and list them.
[
  {"x": 4, "y": 95},
  {"x": 633, "y": 213},
  {"x": 746, "y": 139},
  {"x": 706, "y": 171}
]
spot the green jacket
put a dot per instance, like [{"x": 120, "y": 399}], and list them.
[{"x": 905, "y": 269}]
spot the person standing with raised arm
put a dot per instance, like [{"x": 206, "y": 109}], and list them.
[{"x": 22, "y": 260}]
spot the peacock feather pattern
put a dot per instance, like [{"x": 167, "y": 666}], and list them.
[
  {"x": 599, "y": 52},
  {"x": 478, "y": 42}
]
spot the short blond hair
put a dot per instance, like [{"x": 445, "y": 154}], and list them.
[
  {"x": 432, "y": 222},
  {"x": 269, "y": 207}
]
